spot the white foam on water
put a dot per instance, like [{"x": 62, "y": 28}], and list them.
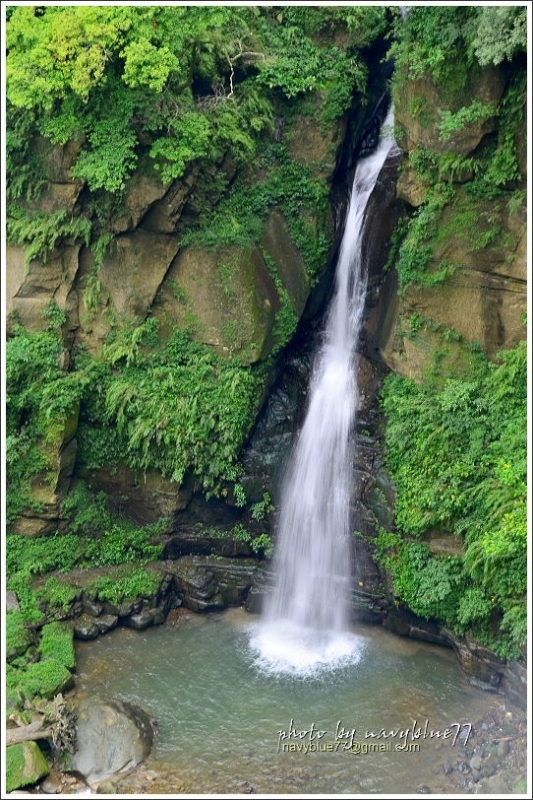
[{"x": 287, "y": 648}]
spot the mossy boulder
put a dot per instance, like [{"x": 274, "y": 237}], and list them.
[
  {"x": 57, "y": 643},
  {"x": 25, "y": 765},
  {"x": 18, "y": 637},
  {"x": 225, "y": 296},
  {"x": 44, "y": 678}
]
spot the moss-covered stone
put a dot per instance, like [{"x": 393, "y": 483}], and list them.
[
  {"x": 18, "y": 637},
  {"x": 45, "y": 678},
  {"x": 57, "y": 643},
  {"x": 25, "y": 765},
  {"x": 226, "y": 297}
]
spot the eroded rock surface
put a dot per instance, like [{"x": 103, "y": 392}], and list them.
[{"x": 112, "y": 737}]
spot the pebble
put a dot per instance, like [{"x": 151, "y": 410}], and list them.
[
  {"x": 494, "y": 785},
  {"x": 106, "y": 787},
  {"x": 475, "y": 762},
  {"x": 246, "y": 787},
  {"x": 50, "y": 785},
  {"x": 503, "y": 749}
]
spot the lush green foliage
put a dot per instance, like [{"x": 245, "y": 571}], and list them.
[
  {"x": 286, "y": 185},
  {"x": 444, "y": 42},
  {"x": 499, "y": 33},
  {"x": 40, "y": 400},
  {"x": 298, "y": 64},
  {"x": 43, "y": 678},
  {"x": 179, "y": 408},
  {"x": 57, "y": 642},
  {"x": 42, "y": 231},
  {"x": 172, "y": 86},
  {"x": 415, "y": 256},
  {"x": 130, "y": 585},
  {"x": 96, "y": 538},
  {"x": 456, "y": 445},
  {"x": 259, "y": 510},
  {"x": 261, "y": 544},
  {"x": 452, "y": 123},
  {"x": 457, "y": 455},
  {"x": 111, "y": 74}
]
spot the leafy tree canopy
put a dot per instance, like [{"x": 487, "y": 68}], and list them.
[
  {"x": 123, "y": 80},
  {"x": 431, "y": 39}
]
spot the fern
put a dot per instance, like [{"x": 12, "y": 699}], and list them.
[{"x": 42, "y": 232}]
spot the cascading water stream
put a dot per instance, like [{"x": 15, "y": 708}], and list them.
[{"x": 306, "y": 619}]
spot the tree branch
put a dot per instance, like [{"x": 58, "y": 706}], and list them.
[{"x": 28, "y": 733}]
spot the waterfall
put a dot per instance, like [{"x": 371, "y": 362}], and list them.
[{"x": 306, "y": 618}]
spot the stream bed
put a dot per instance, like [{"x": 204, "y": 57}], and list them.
[{"x": 403, "y": 719}]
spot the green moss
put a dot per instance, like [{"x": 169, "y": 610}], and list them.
[
  {"x": 15, "y": 763},
  {"x": 25, "y": 765},
  {"x": 44, "y": 679},
  {"x": 57, "y": 595},
  {"x": 18, "y": 637},
  {"x": 131, "y": 585},
  {"x": 57, "y": 642}
]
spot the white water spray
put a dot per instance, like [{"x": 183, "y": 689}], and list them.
[{"x": 306, "y": 619}]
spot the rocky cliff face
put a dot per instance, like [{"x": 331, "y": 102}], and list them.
[
  {"x": 242, "y": 301},
  {"x": 482, "y": 240},
  {"x": 146, "y": 271},
  {"x": 460, "y": 284},
  {"x": 417, "y": 327}
]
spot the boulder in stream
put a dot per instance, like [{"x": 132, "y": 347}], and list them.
[{"x": 112, "y": 736}]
